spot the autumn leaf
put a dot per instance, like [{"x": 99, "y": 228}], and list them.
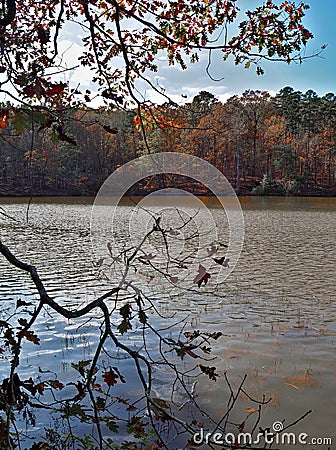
[
  {"x": 20, "y": 303},
  {"x": 56, "y": 384},
  {"x": 202, "y": 277},
  {"x": 195, "y": 334},
  {"x": 4, "y": 119},
  {"x": 110, "y": 130},
  {"x": 81, "y": 365},
  {"x": 30, "y": 336},
  {"x": 56, "y": 89},
  {"x": 124, "y": 326},
  {"x": 210, "y": 371},
  {"x": 29, "y": 385},
  {"x": 251, "y": 410},
  {"x": 160, "y": 402},
  {"x": 22, "y": 321},
  {"x": 191, "y": 353},
  {"x": 215, "y": 335},
  {"x": 125, "y": 311},
  {"x": 110, "y": 377},
  {"x": 222, "y": 261},
  {"x": 64, "y": 137},
  {"x": 112, "y": 425},
  {"x": 142, "y": 317},
  {"x": 40, "y": 388}
]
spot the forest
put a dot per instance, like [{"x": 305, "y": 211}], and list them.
[{"x": 264, "y": 144}]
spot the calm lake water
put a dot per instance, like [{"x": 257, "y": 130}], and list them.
[{"x": 276, "y": 310}]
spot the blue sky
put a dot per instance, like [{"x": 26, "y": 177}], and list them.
[{"x": 315, "y": 73}]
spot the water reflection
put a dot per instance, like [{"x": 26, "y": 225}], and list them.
[{"x": 276, "y": 311}]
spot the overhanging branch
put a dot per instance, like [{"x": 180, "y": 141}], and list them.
[{"x": 11, "y": 13}]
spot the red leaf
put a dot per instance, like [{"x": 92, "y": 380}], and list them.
[
  {"x": 30, "y": 336},
  {"x": 40, "y": 388},
  {"x": 56, "y": 89},
  {"x": 29, "y": 90},
  {"x": 4, "y": 119},
  {"x": 110, "y": 377}
]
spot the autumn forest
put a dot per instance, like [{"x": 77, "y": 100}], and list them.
[{"x": 265, "y": 145}]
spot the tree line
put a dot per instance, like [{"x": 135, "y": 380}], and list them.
[{"x": 283, "y": 144}]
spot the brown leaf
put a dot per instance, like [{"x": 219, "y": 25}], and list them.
[
  {"x": 29, "y": 90},
  {"x": 215, "y": 335},
  {"x": 192, "y": 335},
  {"x": 192, "y": 354},
  {"x": 56, "y": 384},
  {"x": 110, "y": 377},
  {"x": 30, "y": 336},
  {"x": 40, "y": 388},
  {"x": 222, "y": 261},
  {"x": 110, "y": 130},
  {"x": 202, "y": 277},
  {"x": 64, "y": 137},
  {"x": 56, "y": 89},
  {"x": 210, "y": 371},
  {"x": 20, "y": 303}
]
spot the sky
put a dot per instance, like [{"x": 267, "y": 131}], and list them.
[{"x": 318, "y": 73}]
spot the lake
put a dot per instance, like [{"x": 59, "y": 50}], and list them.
[{"x": 276, "y": 309}]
